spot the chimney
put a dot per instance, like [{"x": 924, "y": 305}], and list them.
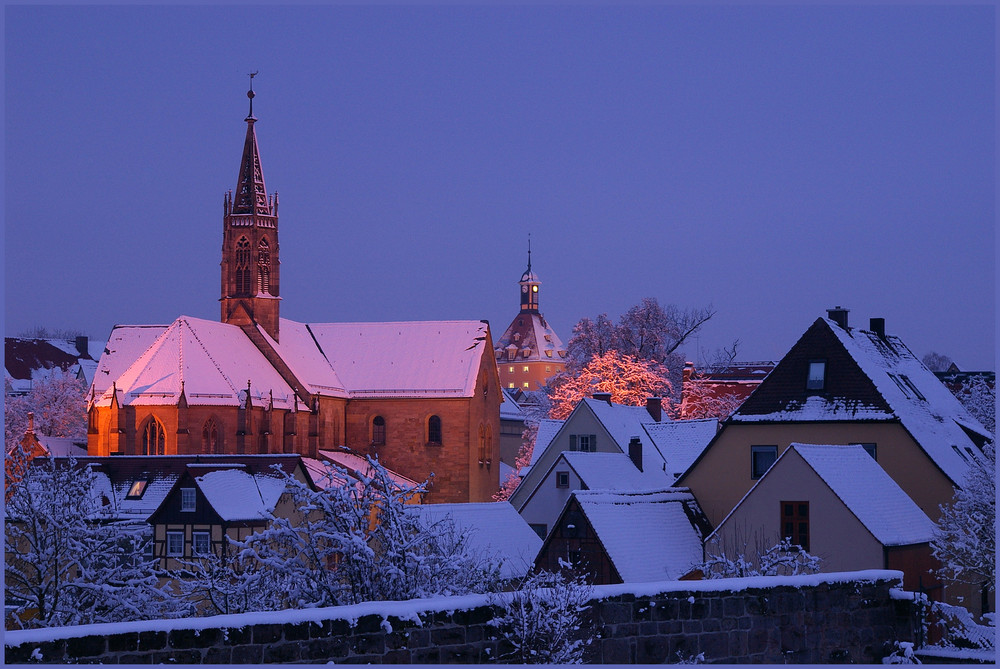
[
  {"x": 877, "y": 325},
  {"x": 81, "y": 347},
  {"x": 603, "y": 397},
  {"x": 838, "y": 315},
  {"x": 635, "y": 452},
  {"x": 654, "y": 405}
]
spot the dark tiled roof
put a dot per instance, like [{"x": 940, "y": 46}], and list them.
[{"x": 23, "y": 355}]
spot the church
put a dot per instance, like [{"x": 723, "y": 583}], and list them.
[{"x": 424, "y": 397}]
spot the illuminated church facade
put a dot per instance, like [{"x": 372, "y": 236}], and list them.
[{"x": 422, "y": 396}]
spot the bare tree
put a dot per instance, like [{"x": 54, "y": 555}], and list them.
[{"x": 936, "y": 362}]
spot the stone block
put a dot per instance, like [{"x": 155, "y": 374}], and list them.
[
  {"x": 251, "y": 654},
  {"x": 690, "y": 627},
  {"x": 615, "y": 651},
  {"x": 711, "y": 624},
  {"x": 118, "y": 643},
  {"x": 477, "y": 616},
  {"x": 295, "y": 631},
  {"x": 670, "y": 627},
  {"x": 714, "y": 645},
  {"x": 368, "y": 624},
  {"x": 177, "y": 656},
  {"x": 152, "y": 640},
  {"x": 651, "y": 650},
  {"x": 475, "y": 633},
  {"x": 642, "y": 610},
  {"x": 268, "y": 633},
  {"x": 649, "y": 629},
  {"x": 281, "y": 653},
  {"x": 136, "y": 658},
  {"x": 738, "y": 646},
  {"x": 367, "y": 644},
  {"x": 613, "y": 613},
  {"x": 235, "y": 636},
  {"x": 330, "y": 648},
  {"x": 665, "y": 610},
  {"x": 398, "y": 656},
  {"x": 418, "y": 638},
  {"x": 395, "y": 639},
  {"x": 448, "y": 636},
  {"x": 429, "y": 655},
  {"x": 465, "y": 654},
  {"x": 218, "y": 655},
  {"x": 86, "y": 646},
  {"x": 193, "y": 638}
]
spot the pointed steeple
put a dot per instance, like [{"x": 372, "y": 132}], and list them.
[
  {"x": 250, "y": 264},
  {"x": 251, "y": 194}
]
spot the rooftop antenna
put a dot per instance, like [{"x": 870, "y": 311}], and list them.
[{"x": 250, "y": 93}]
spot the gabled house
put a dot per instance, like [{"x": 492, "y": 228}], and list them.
[
  {"x": 719, "y": 390},
  {"x": 844, "y": 385},
  {"x": 216, "y": 498},
  {"x": 491, "y": 530},
  {"x": 634, "y": 537},
  {"x": 595, "y": 426},
  {"x": 512, "y": 418},
  {"x": 838, "y": 504}
]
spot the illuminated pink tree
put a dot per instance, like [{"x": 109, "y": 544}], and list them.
[{"x": 628, "y": 379}]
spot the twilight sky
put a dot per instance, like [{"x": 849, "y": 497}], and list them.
[{"x": 772, "y": 161}]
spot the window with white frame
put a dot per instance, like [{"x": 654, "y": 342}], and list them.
[
  {"x": 175, "y": 544},
  {"x": 188, "y": 497},
  {"x": 817, "y": 375},
  {"x": 583, "y": 442},
  {"x": 201, "y": 543}
]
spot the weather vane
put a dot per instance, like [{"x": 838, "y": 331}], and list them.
[{"x": 250, "y": 93}]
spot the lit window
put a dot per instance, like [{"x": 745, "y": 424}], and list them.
[
  {"x": 525, "y": 368},
  {"x": 175, "y": 544},
  {"x": 153, "y": 438},
  {"x": 548, "y": 354},
  {"x": 534, "y": 289},
  {"x": 761, "y": 459},
  {"x": 548, "y": 368},
  {"x": 511, "y": 369},
  {"x": 562, "y": 479},
  {"x": 817, "y": 375},
  {"x": 201, "y": 543},
  {"x": 795, "y": 523},
  {"x": 510, "y": 385},
  {"x": 187, "y": 499},
  {"x": 525, "y": 384},
  {"x": 137, "y": 489}
]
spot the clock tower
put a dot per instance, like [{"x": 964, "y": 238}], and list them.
[{"x": 250, "y": 267}]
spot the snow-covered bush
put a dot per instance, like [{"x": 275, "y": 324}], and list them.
[
  {"x": 59, "y": 404},
  {"x": 354, "y": 540},
  {"x": 960, "y": 630},
  {"x": 902, "y": 654},
  {"x": 965, "y": 538},
  {"x": 543, "y": 619},
  {"x": 782, "y": 559},
  {"x": 69, "y": 563}
]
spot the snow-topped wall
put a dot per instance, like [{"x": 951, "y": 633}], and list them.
[{"x": 851, "y": 617}]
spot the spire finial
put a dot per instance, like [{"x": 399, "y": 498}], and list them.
[
  {"x": 250, "y": 93},
  {"x": 529, "y": 252}
]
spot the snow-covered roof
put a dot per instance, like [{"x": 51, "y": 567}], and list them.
[
  {"x": 125, "y": 345},
  {"x": 869, "y": 492},
  {"x": 304, "y": 357},
  {"x": 530, "y": 332},
  {"x": 62, "y": 446},
  {"x": 406, "y": 359},
  {"x": 903, "y": 389},
  {"x": 352, "y": 462},
  {"x": 613, "y": 471},
  {"x": 509, "y": 408},
  {"x": 211, "y": 361},
  {"x": 491, "y": 529},
  {"x": 236, "y": 495},
  {"x": 680, "y": 442},
  {"x": 547, "y": 430},
  {"x": 624, "y": 422},
  {"x": 647, "y": 536}
]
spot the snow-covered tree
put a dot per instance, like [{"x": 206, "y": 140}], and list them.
[
  {"x": 782, "y": 559},
  {"x": 356, "y": 540},
  {"x": 701, "y": 400},
  {"x": 509, "y": 485},
  {"x": 68, "y": 562},
  {"x": 980, "y": 398},
  {"x": 59, "y": 404},
  {"x": 628, "y": 379},
  {"x": 543, "y": 619},
  {"x": 936, "y": 362},
  {"x": 965, "y": 538}
]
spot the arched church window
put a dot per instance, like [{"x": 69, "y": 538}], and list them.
[
  {"x": 378, "y": 431},
  {"x": 263, "y": 267},
  {"x": 434, "y": 430},
  {"x": 482, "y": 444},
  {"x": 243, "y": 266},
  {"x": 210, "y": 442},
  {"x": 153, "y": 438},
  {"x": 489, "y": 445}
]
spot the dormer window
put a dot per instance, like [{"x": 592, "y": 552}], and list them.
[
  {"x": 817, "y": 375},
  {"x": 913, "y": 388},
  {"x": 138, "y": 489}
]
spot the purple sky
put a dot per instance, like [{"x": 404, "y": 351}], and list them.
[{"x": 773, "y": 161}]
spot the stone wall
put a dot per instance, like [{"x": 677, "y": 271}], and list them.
[{"x": 850, "y": 617}]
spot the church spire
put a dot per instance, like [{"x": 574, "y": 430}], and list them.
[
  {"x": 250, "y": 265},
  {"x": 251, "y": 194}
]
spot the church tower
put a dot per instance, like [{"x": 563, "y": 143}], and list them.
[
  {"x": 250, "y": 264},
  {"x": 529, "y": 352}
]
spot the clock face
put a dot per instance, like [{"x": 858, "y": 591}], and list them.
[{"x": 524, "y": 289}]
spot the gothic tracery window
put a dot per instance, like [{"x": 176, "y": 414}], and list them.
[
  {"x": 263, "y": 267},
  {"x": 153, "y": 438},
  {"x": 210, "y": 442},
  {"x": 378, "y": 431},
  {"x": 243, "y": 266}
]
